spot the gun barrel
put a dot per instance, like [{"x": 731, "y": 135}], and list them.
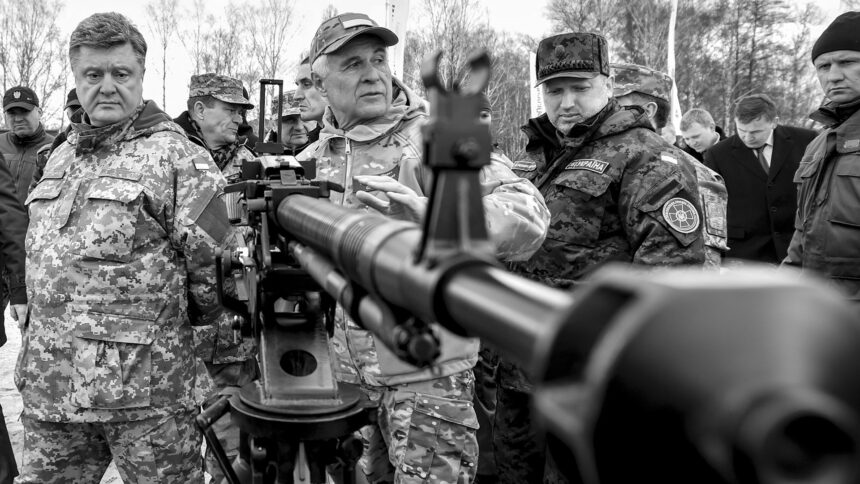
[{"x": 468, "y": 296}]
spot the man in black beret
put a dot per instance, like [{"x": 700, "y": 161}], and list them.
[{"x": 827, "y": 227}]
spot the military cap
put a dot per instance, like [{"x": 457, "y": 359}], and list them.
[
  {"x": 578, "y": 54},
  {"x": 337, "y": 31},
  {"x": 220, "y": 87},
  {"x": 291, "y": 106},
  {"x": 631, "y": 78},
  {"x": 20, "y": 97},
  {"x": 72, "y": 99}
]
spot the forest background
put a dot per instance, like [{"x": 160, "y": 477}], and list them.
[{"x": 724, "y": 49}]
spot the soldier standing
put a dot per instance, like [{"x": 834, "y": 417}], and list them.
[
  {"x": 371, "y": 144},
  {"x": 121, "y": 280},
  {"x": 215, "y": 107},
  {"x": 612, "y": 198}
]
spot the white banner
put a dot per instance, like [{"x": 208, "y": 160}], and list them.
[
  {"x": 537, "y": 92},
  {"x": 396, "y": 15}
]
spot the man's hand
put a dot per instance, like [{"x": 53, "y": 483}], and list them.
[
  {"x": 19, "y": 314},
  {"x": 403, "y": 202}
]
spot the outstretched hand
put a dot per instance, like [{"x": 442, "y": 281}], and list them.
[{"x": 402, "y": 203}]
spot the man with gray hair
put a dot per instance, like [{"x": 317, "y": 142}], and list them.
[
  {"x": 121, "y": 280},
  {"x": 371, "y": 144},
  {"x": 699, "y": 132}
]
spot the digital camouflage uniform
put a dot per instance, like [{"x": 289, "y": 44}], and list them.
[
  {"x": 632, "y": 78},
  {"x": 121, "y": 282},
  {"x": 427, "y": 423},
  {"x": 232, "y": 363}
]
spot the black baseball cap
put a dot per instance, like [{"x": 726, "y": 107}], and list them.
[{"x": 20, "y": 97}]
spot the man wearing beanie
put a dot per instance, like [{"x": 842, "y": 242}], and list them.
[{"x": 827, "y": 227}]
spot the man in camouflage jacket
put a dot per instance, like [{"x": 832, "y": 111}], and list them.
[
  {"x": 120, "y": 277},
  {"x": 215, "y": 107},
  {"x": 636, "y": 85},
  {"x": 613, "y": 197},
  {"x": 371, "y": 142}
]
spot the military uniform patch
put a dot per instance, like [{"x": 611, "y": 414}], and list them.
[
  {"x": 681, "y": 215},
  {"x": 668, "y": 158},
  {"x": 852, "y": 143},
  {"x": 524, "y": 165},
  {"x": 597, "y": 166},
  {"x": 201, "y": 165}
]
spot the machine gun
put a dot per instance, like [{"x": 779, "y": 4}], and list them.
[{"x": 661, "y": 376}]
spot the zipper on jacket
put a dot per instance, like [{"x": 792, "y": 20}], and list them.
[{"x": 347, "y": 181}]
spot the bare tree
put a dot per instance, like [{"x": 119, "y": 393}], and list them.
[
  {"x": 162, "y": 23},
  {"x": 329, "y": 12},
  {"x": 267, "y": 27},
  {"x": 31, "y": 51},
  {"x": 193, "y": 37}
]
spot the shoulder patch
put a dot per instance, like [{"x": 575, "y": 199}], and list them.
[
  {"x": 596, "y": 166},
  {"x": 852, "y": 143},
  {"x": 524, "y": 165},
  {"x": 201, "y": 165},
  {"x": 681, "y": 215},
  {"x": 667, "y": 157}
]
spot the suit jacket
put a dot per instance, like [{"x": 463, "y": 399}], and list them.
[{"x": 762, "y": 206}]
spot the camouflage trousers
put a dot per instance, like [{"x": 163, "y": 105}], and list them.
[
  {"x": 158, "y": 450},
  {"x": 425, "y": 433},
  {"x": 225, "y": 376}
]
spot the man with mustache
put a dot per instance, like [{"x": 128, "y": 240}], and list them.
[
  {"x": 827, "y": 227},
  {"x": 215, "y": 107}
]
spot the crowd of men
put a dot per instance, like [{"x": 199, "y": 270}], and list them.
[{"x": 123, "y": 337}]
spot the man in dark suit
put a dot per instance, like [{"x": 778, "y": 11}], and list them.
[{"x": 758, "y": 165}]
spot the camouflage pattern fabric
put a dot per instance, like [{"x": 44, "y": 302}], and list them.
[
  {"x": 222, "y": 88},
  {"x": 156, "y": 450},
  {"x": 392, "y": 145},
  {"x": 714, "y": 199},
  {"x": 630, "y": 78},
  {"x": 120, "y": 272},
  {"x": 425, "y": 433},
  {"x": 578, "y": 54},
  {"x": 612, "y": 198}
]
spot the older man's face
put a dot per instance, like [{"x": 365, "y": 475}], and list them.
[
  {"x": 358, "y": 82},
  {"x": 571, "y": 100},
  {"x": 109, "y": 82},
  {"x": 839, "y": 75}
]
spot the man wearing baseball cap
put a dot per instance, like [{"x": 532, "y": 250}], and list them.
[
  {"x": 650, "y": 89},
  {"x": 371, "y": 144},
  {"x": 25, "y": 137},
  {"x": 293, "y": 128},
  {"x": 827, "y": 227},
  {"x": 612, "y": 195},
  {"x": 215, "y": 106}
]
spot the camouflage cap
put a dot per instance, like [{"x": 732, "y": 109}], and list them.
[
  {"x": 291, "y": 106},
  {"x": 631, "y": 78},
  {"x": 220, "y": 87},
  {"x": 337, "y": 31},
  {"x": 578, "y": 54}
]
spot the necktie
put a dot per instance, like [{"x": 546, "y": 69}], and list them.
[{"x": 762, "y": 160}]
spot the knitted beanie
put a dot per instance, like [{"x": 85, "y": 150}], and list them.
[{"x": 842, "y": 34}]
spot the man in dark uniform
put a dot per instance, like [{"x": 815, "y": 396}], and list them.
[
  {"x": 13, "y": 227},
  {"x": 612, "y": 198},
  {"x": 827, "y": 228},
  {"x": 758, "y": 165}
]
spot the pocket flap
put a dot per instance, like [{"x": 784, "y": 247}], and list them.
[
  {"x": 116, "y": 189},
  {"x": 454, "y": 411},
  {"x": 129, "y": 324},
  {"x": 45, "y": 190},
  {"x": 805, "y": 170},
  {"x": 848, "y": 169},
  {"x": 659, "y": 195},
  {"x": 594, "y": 184}
]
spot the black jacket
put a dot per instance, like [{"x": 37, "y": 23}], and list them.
[
  {"x": 13, "y": 229},
  {"x": 762, "y": 206}
]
